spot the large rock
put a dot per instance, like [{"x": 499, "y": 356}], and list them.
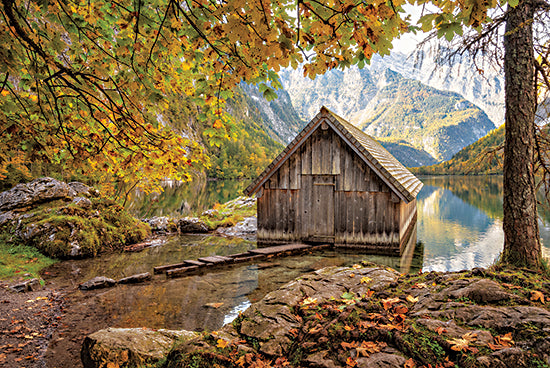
[
  {"x": 192, "y": 225},
  {"x": 66, "y": 220},
  {"x": 244, "y": 229},
  {"x": 129, "y": 347},
  {"x": 271, "y": 320},
  {"x": 161, "y": 224},
  {"x": 483, "y": 291},
  {"x": 36, "y": 191}
]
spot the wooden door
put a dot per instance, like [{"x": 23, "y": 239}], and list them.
[{"x": 321, "y": 226}]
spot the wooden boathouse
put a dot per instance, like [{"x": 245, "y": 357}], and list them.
[{"x": 335, "y": 184}]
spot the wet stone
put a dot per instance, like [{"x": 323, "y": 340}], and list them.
[
  {"x": 134, "y": 279},
  {"x": 98, "y": 282},
  {"x": 129, "y": 347},
  {"x": 27, "y": 285},
  {"x": 381, "y": 360},
  {"x": 192, "y": 225}
]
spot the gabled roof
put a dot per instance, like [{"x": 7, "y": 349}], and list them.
[{"x": 391, "y": 171}]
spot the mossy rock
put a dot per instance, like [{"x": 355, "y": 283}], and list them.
[{"x": 82, "y": 226}]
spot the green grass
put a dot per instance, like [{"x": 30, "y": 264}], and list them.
[
  {"x": 21, "y": 261},
  {"x": 228, "y": 214}
]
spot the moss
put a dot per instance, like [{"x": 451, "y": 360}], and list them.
[
  {"x": 228, "y": 214},
  {"x": 58, "y": 227},
  {"x": 18, "y": 260}
]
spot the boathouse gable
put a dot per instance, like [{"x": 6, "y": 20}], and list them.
[{"x": 335, "y": 184}]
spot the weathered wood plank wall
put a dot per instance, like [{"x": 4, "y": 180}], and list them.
[{"x": 325, "y": 192}]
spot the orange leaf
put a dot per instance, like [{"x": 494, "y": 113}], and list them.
[
  {"x": 351, "y": 362},
  {"x": 463, "y": 343},
  {"x": 410, "y": 363},
  {"x": 440, "y": 330},
  {"x": 537, "y": 295},
  {"x": 505, "y": 340},
  {"x": 222, "y": 343},
  {"x": 388, "y": 303},
  {"x": 349, "y": 328},
  {"x": 401, "y": 309},
  {"x": 349, "y": 345}
]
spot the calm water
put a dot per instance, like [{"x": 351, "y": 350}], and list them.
[
  {"x": 459, "y": 217},
  {"x": 460, "y": 222},
  {"x": 459, "y": 227}
]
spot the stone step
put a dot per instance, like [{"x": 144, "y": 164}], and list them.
[{"x": 216, "y": 259}]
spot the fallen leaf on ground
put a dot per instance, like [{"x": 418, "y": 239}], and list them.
[
  {"x": 411, "y": 299},
  {"x": 463, "y": 343},
  {"x": 309, "y": 300},
  {"x": 388, "y": 303},
  {"x": 214, "y": 305},
  {"x": 351, "y": 362},
  {"x": 410, "y": 363},
  {"x": 537, "y": 295},
  {"x": 440, "y": 330},
  {"x": 222, "y": 343},
  {"x": 419, "y": 285},
  {"x": 502, "y": 342},
  {"x": 400, "y": 309},
  {"x": 365, "y": 279},
  {"x": 349, "y": 345}
]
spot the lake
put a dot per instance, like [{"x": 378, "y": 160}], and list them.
[
  {"x": 459, "y": 227},
  {"x": 459, "y": 217}
]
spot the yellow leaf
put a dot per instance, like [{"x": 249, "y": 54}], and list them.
[
  {"x": 463, "y": 343},
  {"x": 222, "y": 343},
  {"x": 5, "y": 93},
  {"x": 365, "y": 280},
  {"x": 309, "y": 300},
  {"x": 411, "y": 299}
]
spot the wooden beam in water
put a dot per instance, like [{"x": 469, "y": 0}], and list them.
[
  {"x": 181, "y": 271},
  {"x": 280, "y": 249}
]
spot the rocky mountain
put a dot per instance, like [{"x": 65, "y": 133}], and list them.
[
  {"x": 422, "y": 124},
  {"x": 277, "y": 117},
  {"x": 482, "y": 83},
  {"x": 260, "y": 131},
  {"x": 438, "y": 122},
  {"x": 484, "y": 156},
  {"x": 407, "y": 154}
]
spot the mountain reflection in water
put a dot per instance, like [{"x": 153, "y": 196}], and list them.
[
  {"x": 460, "y": 222},
  {"x": 459, "y": 217}
]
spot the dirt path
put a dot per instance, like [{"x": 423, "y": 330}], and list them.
[
  {"x": 28, "y": 322},
  {"x": 45, "y": 328}
]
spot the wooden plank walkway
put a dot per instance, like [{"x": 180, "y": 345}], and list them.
[{"x": 191, "y": 266}]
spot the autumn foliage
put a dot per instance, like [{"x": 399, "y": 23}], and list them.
[{"x": 84, "y": 85}]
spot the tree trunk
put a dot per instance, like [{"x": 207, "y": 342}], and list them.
[{"x": 521, "y": 232}]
